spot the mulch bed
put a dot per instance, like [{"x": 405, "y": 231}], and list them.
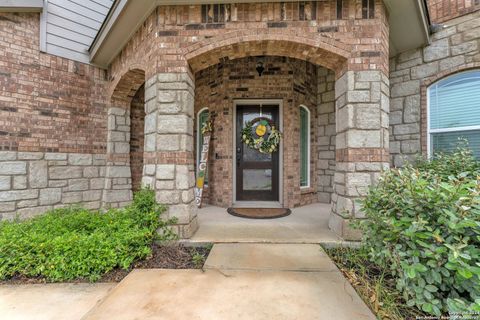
[{"x": 163, "y": 257}]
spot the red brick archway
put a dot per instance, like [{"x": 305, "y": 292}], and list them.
[
  {"x": 322, "y": 51},
  {"x": 127, "y": 86}
]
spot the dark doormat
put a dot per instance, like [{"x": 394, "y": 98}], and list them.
[{"x": 259, "y": 213}]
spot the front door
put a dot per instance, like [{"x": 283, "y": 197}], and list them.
[{"x": 257, "y": 174}]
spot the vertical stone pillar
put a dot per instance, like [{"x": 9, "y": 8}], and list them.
[
  {"x": 169, "y": 160},
  {"x": 118, "y": 182},
  {"x": 362, "y": 104}
]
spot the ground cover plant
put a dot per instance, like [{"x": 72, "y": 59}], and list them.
[
  {"x": 423, "y": 224},
  {"x": 76, "y": 243},
  {"x": 375, "y": 284}
]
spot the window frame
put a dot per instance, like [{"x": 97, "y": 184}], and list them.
[
  {"x": 431, "y": 131},
  {"x": 309, "y": 147},
  {"x": 199, "y": 131}
]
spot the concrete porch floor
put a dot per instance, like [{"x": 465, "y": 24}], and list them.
[{"x": 308, "y": 224}]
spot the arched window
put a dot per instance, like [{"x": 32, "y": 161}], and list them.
[
  {"x": 202, "y": 117},
  {"x": 304, "y": 147},
  {"x": 454, "y": 112}
]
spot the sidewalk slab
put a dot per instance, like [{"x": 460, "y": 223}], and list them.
[
  {"x": 264, "y": 257},
  {"x": 50, "y": 301},
  {"x": 231, "y": 295}
]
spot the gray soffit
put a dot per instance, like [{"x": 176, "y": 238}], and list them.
[
  {"x": 409, "y": 25},
  {"x": 21, "y": 5}
]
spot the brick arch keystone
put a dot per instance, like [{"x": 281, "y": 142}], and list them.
[{"x": 319, "y": 50}]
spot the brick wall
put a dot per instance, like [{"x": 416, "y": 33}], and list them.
[
  {"x": 174, "y": 38},
  {"x": 444, "y": 10},
  {"x": 295, "y": 82},
  {"x": 47, "y": 103},
  {"x": 52, "y": 125},
  {"x": 453, "y": 49},
  {"x": 137, "y": 133}
]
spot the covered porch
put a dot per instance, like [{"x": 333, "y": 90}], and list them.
[{"x": 307, "y": 224}]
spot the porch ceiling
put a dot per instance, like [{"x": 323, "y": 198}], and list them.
[{"x": 409, "y": 25}]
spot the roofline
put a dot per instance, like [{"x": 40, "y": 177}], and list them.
[{"x": 21, "y": 5}]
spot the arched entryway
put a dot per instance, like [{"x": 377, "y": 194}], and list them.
[
  {"x": 125, "y": 139},
  {"x": 356, "y": 100},
  {"x": 301, "y": 171}
]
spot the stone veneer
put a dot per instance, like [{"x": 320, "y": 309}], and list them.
[
  {"x": 362, "y": 103},
  {"x": 34, "y": 182},
  {"x": 453, "y": 49},
  {"x": 169, "y": 162},
  {"x": 326, "y": 134}
]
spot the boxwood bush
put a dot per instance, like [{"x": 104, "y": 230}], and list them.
[
  {"x": 75, "y": 243},
  {"x": 424, "y": 224}
]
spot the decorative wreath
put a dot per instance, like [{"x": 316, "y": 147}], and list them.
[{"x": 260, "y": 134}]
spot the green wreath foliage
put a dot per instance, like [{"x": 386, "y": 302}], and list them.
[{"x": 264, "y": 145}]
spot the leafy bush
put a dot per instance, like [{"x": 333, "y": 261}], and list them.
[
  {"x": 73, "y": 243},
  {"x": 424, "y": 224},
  {"x": 375, "y": 284}
]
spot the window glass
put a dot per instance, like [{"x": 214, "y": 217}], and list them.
[
  {"x": 454, "y": 112},
  {"x": 304, "y": 147}
]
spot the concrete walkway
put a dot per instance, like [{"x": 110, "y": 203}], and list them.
[
  {"x": 50, "y": 301},
  {"x": 240, "y": 281}
]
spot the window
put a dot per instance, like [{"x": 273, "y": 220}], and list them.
[
  {"x": 368, "y": 9},
  {"x": 454, "y": 112},
  {"x": 339, "y": 9},
  {"x": 202, "y": 117},
  {"x": 307, "y": 10},
  {"x": 304, "y": 147},
  {"x": 215, "y": 13}
]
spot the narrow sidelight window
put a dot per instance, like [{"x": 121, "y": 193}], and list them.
[
  {"x": 368, "y": 9},
  {"x": 215, "y": 13},
  {"x": 339, "y": 9},
  {"x": 454, "y": 112},
  {"x": 304, "y": 147},
  {"x": 202, "y": 117},
  {"x": 307, "y": 10}
]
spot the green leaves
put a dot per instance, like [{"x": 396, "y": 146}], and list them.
[
  {"x": 73, "y": 243},
  {"x": 424, "y": 223}
]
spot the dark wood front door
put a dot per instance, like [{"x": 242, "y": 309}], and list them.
[{"x": 257, "y": 174}]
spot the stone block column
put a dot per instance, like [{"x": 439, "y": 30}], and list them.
[
  {"x": 362, "y": 106},
  {"x": 118, "y": 182},
  {"x": 169, "y": 160}
]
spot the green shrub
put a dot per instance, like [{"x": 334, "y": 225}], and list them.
[
  {"x": 75, "y": 243},
  {"x": 424, "y": 224}
]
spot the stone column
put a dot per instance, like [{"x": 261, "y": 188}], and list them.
[
  {"x": 169, "y": 160},
  {"x": 118, "y": 182},
  {"x": 362, "y": 104}
]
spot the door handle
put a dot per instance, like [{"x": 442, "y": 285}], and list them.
[{"x": 239, "y": 157}]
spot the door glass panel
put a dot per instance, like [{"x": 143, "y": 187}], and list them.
[
  {"x": 255, "y": 179},
  {"x": 250, "y": 154}
]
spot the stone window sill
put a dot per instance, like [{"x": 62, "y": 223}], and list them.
[{"x": 307, "y": 190}]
